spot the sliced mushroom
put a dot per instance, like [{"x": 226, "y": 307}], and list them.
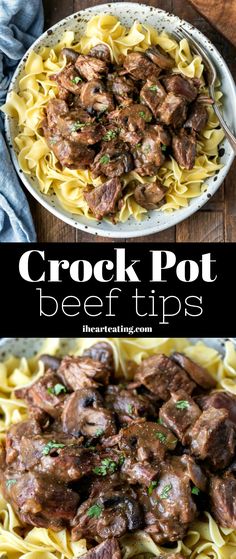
[
  {"x": 94, "y": 97},
  {"x": 102, "y": 52},
  {"x": 90, "y": 68},
  {"x": 160, "y": 58}
]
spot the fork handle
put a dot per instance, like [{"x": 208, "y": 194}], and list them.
[{"x": 229, "y": 135}]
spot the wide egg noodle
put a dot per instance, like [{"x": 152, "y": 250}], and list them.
[{"x": 36, "y": 89}]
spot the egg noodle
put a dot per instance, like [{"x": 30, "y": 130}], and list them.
[
  {"x": 205, "y": 539},
  {"x": 36, "y": 89}
]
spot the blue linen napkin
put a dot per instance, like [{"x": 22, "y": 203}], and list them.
[{"x": 21, "y": 22}]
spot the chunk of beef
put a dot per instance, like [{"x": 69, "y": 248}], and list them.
[
  {"x": 140, "y": 472},
  {"x": 148, "y": 154},
  {"x": 132, "y": 122},
  {"x": 84, "y": 414},
  {"x": 117, "y": 512},
  {"x": 83, "y": 372},
  {"x": 40, "y": 500},
  {"x": 113, "y": 160},
  {"x": 103, "y": 199},
  {"x": 179, "y": 413},
  {"x": 199, "y": 374},
  {"x": 78, "y": 126},
  {"x": 152, "y": 94},
  {"x": 180, "y": 85},
  {"x": 223, "y": 500},
  {"x": 47, "y": 393},
  {"x": 90, "y": 68},
  {"x": 173, "y": 110},
  {"x": 127, "y": 404},
  {"x": 146, "y": 441},
  {"x": 184, "y": 147},
  {"x": 212, "y": 438},
  {"x": 219, "y": 400},
  {"x": 103, "y": 352},
  {"x": 197, "y": 117},
  {"x": 70, "y": 54},
  {"x": 28, "y": 428},
  {"x": 150, "y": 195},
  {"x": 68, "y": 78},
  {"x": 94, "y": 97},
  {"x": 109, "y": 549},
  {"x": 69, "y": 154},
  {"x": 50, "y": 361},
  {"x": 162, "y": 376},
  {"x": 55, "y": 108},
  {"x": 102, "y": 52},
  {"x": 169, "y": 507},
  {"x": 122, "y": 87},
  {"x": 160, "y": 57},
  {"x": 140, "y": 67}
]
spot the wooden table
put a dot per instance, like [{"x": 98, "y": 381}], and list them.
[{"x": 217, "y": 220}]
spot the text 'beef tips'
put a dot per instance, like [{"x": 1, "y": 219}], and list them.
[
  {"x": 113, "y": 119},
  {"x": 104, "y": 456}
]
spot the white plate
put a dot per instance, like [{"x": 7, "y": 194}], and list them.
[
  {"x": 27, "y": 347},
  {"x": 154, "y": 221}
]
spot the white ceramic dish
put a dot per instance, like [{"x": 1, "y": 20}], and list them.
[{"x": 154, "y": 221}]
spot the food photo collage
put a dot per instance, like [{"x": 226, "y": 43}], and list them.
[{"x": 117, "y": 147}]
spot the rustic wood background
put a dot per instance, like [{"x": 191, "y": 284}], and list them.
[{"x": 217, "y": 220}]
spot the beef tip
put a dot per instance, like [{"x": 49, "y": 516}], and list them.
[
  {"x": 152, "y": 94},
  {"x": 179, "y": 413},
  {"x": 113, "y": 160},
  {"x": 103, "y": 199},
  {"x": 84, "y": 414},
  {"x": 132, "y": 121},
  {"x": 122, "y": 87},
  {"x": 65, "y": 95},
  {"x": 117, "y": 512},
  {"x": 102, "y": 52},
  {"x": 160, "y": 57},
  {"x": 83, "y": 372},
  {"x": 41, "y": 501},
  {"x": 149, "y": 195},
  {"x": 149, "y": 154},
  {"x": 223, "y": 500},
  {"x": 162, "y": 376},
  {"x": 182, "y": 86},
  {"x": 55, "y": 108},
  {"x": 70, "y": 54},
  {"x": 127, "y": 404},
  {"x": 47, "y": 393},
  {"x": 146, "y": 441},
  {"x": 219, "y": 400},
  {"x": 212, "y": 438},
  {"x": 78, "y": 126},
  {"x": 28, "y": 428},
  {"x": 173, "y": 110},
  {"x": 91, "y": 68},
  {"x": 184, "y": 148},
  {"x": 109, "y": 549},
  {"x": 50, "y": 361},
  {"x": 197, "y": 118},
  {"x": 169, "y": 506},
  {"x": 69, "y": 154},
  {"x": 69, "y": 79},
  {"x": 94, "y": 97},
  {"x": 139, "y": 472},
  {"x": 197, "y": 373},
  {"x": 103, "y": 352},
  {"x": 140, "y": 67}
]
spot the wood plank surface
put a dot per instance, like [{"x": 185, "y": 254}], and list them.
[
  {"x": 216, "y": 221},
  {"x": 221, "y": 14}
]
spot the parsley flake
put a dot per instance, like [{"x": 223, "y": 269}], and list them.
[
  {"x": 161, "y": 436},
  {"x": 145, "y": 116},
  {"x": 78, "y": 125},
  {"x": 10, "y": 482},
  {"x": 130, "y": 408},
  {"x": 105, "y": 159},
  {"x": 94, "y": 511},
  {"x": 53, "y": 140},
  {"x": 99, "y": 432},
  {"x": 108, "y": 466},
  {"x": 147, "y": 148},
  {"x": 50, "y": 446},
  {"x": 153, "y": 88},
  {"x": 160, "y": 421},
  {"x": 163, "y": 147},
  {"x": 182, "y": 405},
  {"x": 138, "y": 145},
  {"x": 165, "y": 491},
  {"x": 110, "y": 135},
  {"x": 195, "y": 490},
  {"x": 152, "y": 486},
  {"x": 76, "y": 80},
  {"x": 57, "y": 389}
]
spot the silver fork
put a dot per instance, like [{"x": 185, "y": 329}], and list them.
[{"x": 211, "y": 79}]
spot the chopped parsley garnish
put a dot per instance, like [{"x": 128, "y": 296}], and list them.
[
  {"x": 145, "y": 117},
  {"x": 152, "y": 486},
  {"x": 138, "y": 145},
  {"x": 105, "y": 159},
  {"x": 76, "y": 80},
  {"x": 10, "y": 482},
  {"x": 161, "y": 436},
  {"x": 182, "y": 405},
  {"x": 51, "y": 446},
  {"x": 53, "y": 140},
  {"x": 153, "y": 87},
  {"x": 160, "y": 421},
  {"x": 94, "y": 511},
  {"x": 99, "y": 432},
  {"x": 57, "y": 389},
  {"x": 195, "y": 490},
  {"x": 147, "y": 149},
  {"x": 165, "y": 491},
  {"x": 110, "y": 135},
  {"x": 163, "y": 147},
  {"x": 130, "y": 408},
  {"x": 121, "y": 459},
  {"x": 78, "y": 125},
  {"x": 108, "y": 466}
]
